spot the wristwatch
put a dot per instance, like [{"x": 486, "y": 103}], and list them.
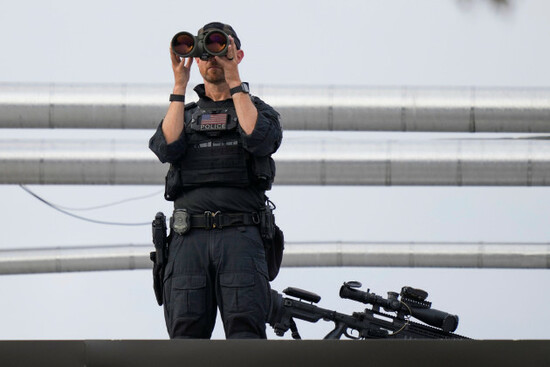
[{"x": 241, "y": 88}]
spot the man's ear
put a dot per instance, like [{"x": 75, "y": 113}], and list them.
[{"x": 240, "y": 55}]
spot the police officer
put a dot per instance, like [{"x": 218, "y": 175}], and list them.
[{"x": 220, "y": 151}]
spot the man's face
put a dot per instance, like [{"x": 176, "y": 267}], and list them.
[{"x": 210, "y": 70}]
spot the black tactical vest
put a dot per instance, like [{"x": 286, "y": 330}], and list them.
[
  {"x": 215, "y": 155},
  {"x": 214, "y": 150}
]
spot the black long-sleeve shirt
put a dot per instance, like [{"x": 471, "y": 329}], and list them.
[{"x": 264, "y": 140}]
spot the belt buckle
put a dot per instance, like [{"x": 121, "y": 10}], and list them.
[{"x": 211, "y": 220}]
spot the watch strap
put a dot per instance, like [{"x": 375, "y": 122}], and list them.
[
  {"x": 241, "y": 88},
  {"x": 177, "y": 97}
]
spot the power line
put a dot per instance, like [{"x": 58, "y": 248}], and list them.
[
  {"x": 110, "y": 204},
  {"x": 58, "y": 208}
]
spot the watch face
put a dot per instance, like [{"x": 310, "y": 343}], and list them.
[{"x": 245, "y": 88}]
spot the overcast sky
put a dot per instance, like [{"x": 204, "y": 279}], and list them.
[{"x": 372, "y": 43}]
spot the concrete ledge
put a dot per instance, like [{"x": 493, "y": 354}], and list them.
[{"x": 167, "y": 353}]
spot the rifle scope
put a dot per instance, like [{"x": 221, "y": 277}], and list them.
[{"x": 417, "y": 308}]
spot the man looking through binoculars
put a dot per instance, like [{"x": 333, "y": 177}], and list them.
[
  {"x": 220, "y": 74},
  {"x": 219, "y": 150}
]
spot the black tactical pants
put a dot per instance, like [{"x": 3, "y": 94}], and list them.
[{"x": 222, "y": 268}]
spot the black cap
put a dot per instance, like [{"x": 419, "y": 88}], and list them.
[{"x": 223, "y": 27}]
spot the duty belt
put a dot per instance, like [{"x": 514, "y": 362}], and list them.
[{"x": 182, "y": 221}]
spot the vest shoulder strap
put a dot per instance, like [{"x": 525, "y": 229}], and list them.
[{"x": 190, "y": 105}]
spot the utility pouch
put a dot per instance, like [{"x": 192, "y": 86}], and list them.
[
  {"x": 173, "y": 186},
  {"x": 273, "y": 239},
  {"x": 263, "y": 172},
  {"x": 274, "y": 253},
  {"x": 160, "y": 256}
]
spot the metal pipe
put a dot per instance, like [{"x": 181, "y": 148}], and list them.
[
  {"x": 69, "y": 259},
  {"x": 90, "y": 106},
  {"x": 448, "y": 109},
  {"x": 300, "y": 161},
  {"x": 337, "y": 254},
  {"x": 395, "y": 254}
]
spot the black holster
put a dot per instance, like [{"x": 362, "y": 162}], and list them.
[
  {"x": 273, "y": 239},
  {"x": 160, "y": 256}
]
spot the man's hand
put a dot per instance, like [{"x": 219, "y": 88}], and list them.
[
  {"x": 172, "y": 125},
  {"x": 246, "y": 111},
  {"x": 230, "y": 63},
  {"x": 182, "y": 71}
]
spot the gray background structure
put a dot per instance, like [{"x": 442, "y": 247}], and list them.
[{"x": 357, "y": 43}]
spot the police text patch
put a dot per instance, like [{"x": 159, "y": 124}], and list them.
[{"x": 213, "y": 121}]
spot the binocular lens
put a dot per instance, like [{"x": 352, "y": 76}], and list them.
[
  {"x": 216, "y": 42},
  {"x": 183, "y": 43},
  {"x": 213, "y": 43}
]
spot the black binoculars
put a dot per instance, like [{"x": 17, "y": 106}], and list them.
[{"x": 204, "y": 45}]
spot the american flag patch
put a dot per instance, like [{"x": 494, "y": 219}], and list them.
[{"x": 214, "y": 121}]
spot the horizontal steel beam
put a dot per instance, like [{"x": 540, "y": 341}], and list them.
[
  {"x": 70, "y": 259},
  {"x": 337, "y": 254},
  {"x": 395, "y": 254},
  {"x": 449, "y": 109},
  {"x": 271, "y": 353},
  {"x": 300, "y": 161}
]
